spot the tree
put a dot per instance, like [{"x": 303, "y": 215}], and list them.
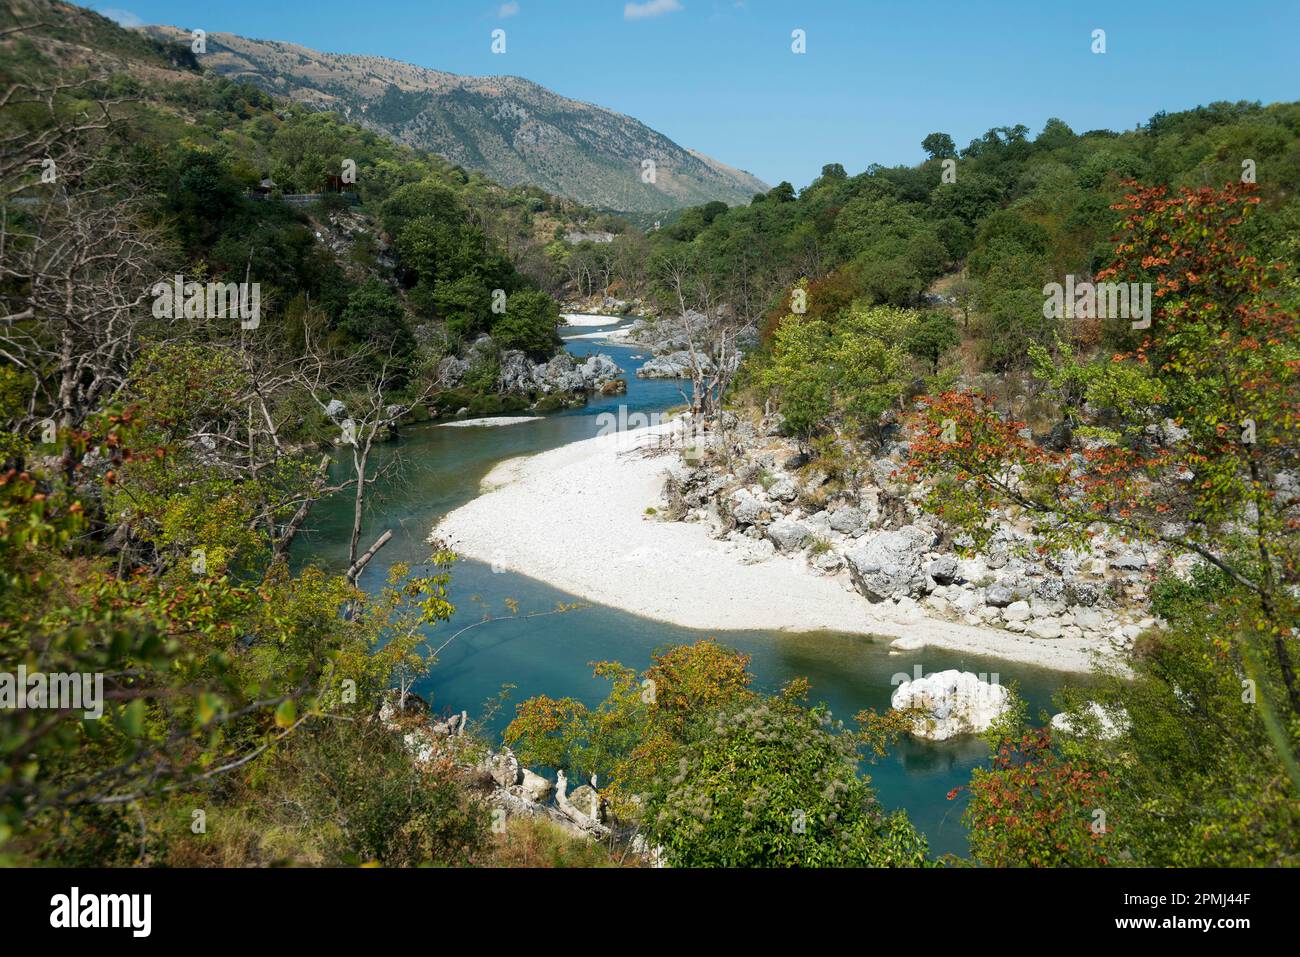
[
  {"x": 1167, "y": 765},
  {"x": 374, "y": 316},
  {"x": 939, "y": 146},
  {"x": 1056, "y": 135},
  {"x": 1033, "y": 808},
  {"x": 712, "y": 332},
  {"x": 633, "y": 733},
  {"x": 770, "y": 783},
  {"x": 782, "y": 192},
  {"x": 933, "y": 335},
  {"x": 529, "y": 323},
  {"x": 839, "y": 376},
  {"x": 75, "y": 286},
  {"x": 716, "y": 773}
]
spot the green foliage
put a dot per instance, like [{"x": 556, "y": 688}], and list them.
[
  {"x": 939, "y": 146},
  {"x": 538, "y": 842},
  {"x": 842, "y": 374},
  {"x": 1198, "y": 777},
  {"x": 374, "y": 315},
  {"x": 770, "y": 784},
  {"x": 933, "y": 335},
  {"x": 529, "y": 323},
  {"x": 1032, "y": 808},
  {"x": 715, "y": 773},
  {"x": 640, "y": 723},
  {"x": 358, "y": 787},
  {"x": 1181, "y": 600}
]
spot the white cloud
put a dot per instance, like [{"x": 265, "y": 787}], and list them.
[
  {"x": 507, "y": 9},
  {"x": 122, "y": 17},
  {"x": 651, "y": 8}
]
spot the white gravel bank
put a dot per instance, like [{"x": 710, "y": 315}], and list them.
[{"x": 576, "y": 517}]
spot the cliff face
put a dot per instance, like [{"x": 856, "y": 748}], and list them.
[{"x": 508, "y": 128}]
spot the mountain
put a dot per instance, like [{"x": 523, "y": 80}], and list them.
[{"x": 510, "y": 129}]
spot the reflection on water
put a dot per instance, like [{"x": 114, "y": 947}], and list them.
[{"x": 441, "y": 469}]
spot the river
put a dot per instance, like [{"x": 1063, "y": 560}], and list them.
[{"x": 441, "y": 469}]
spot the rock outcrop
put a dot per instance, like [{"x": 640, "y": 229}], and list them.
[
  {"x": 951, "y": 703},
  {"x": 760, "y": 492},
  {"x": 516, "y": 374},
  {"x": 1106, "y": 724},
  {"x": 889, "y": 565},
  {"x": 674, "y": 365}
]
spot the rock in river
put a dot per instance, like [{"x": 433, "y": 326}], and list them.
[{"x": 953, "y": 702}]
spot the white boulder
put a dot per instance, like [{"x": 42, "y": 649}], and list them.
[
  {"x": 952, "y": 703},
  {"x": 1107, "y": 725},
  {"x": 535, "y": 787}
]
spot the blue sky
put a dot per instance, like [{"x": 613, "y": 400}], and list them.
[{"x": 719, "y": 75}]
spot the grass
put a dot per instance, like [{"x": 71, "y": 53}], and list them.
[{"x": 536, "y": 842}]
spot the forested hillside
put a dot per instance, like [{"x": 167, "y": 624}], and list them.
[{"x": 1020, "y": 211}]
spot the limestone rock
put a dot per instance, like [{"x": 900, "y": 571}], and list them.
[
  {"x": 784, "y": 490},
  {"x": 943, "y": 570},
  {"x": 1016, "y": 611},
  {"x": 746, "y": 509},
  {"x": 848, "y": 520},
  {"x": 1082, "y": 593},
  {"x": 504, "y": 768},
  {"x": 674, "y": 365},
  {"x": 954, "y": 703},
  {"x": 535, "y": 787},
  {"x": 829, "y": 562},
  {"x": 1106, "y": 724},
  {"x": 786, "y": 535},
  {"x": 1045, "y": 628},
  {"x": 889, "y": 564},
  {"x": 1129, "y": 561},
  {"x": 754, "y": 552},
  {"x": 1000, "y": 595}
]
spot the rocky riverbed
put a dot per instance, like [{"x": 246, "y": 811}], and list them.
[
  {"x": 510, "y": 788},
  {"x": 754, "y": 489}
]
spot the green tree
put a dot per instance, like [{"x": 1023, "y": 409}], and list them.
[
  {"x": 939, "y": 146},
  {"x": 374, "y": 315},
  {"x": 770, "y": 783},
  {"x": 529, "y": 323},
  {"x": 932, "y": 336}
]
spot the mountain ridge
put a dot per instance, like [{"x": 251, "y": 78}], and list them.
[{"x": 507, "y": 127}]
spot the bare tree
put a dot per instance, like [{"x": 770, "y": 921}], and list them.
[
  {"x": 369, "y": 419},
  {"x": 713, "y": 331},
  {"x": 76, "y": 270}
]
